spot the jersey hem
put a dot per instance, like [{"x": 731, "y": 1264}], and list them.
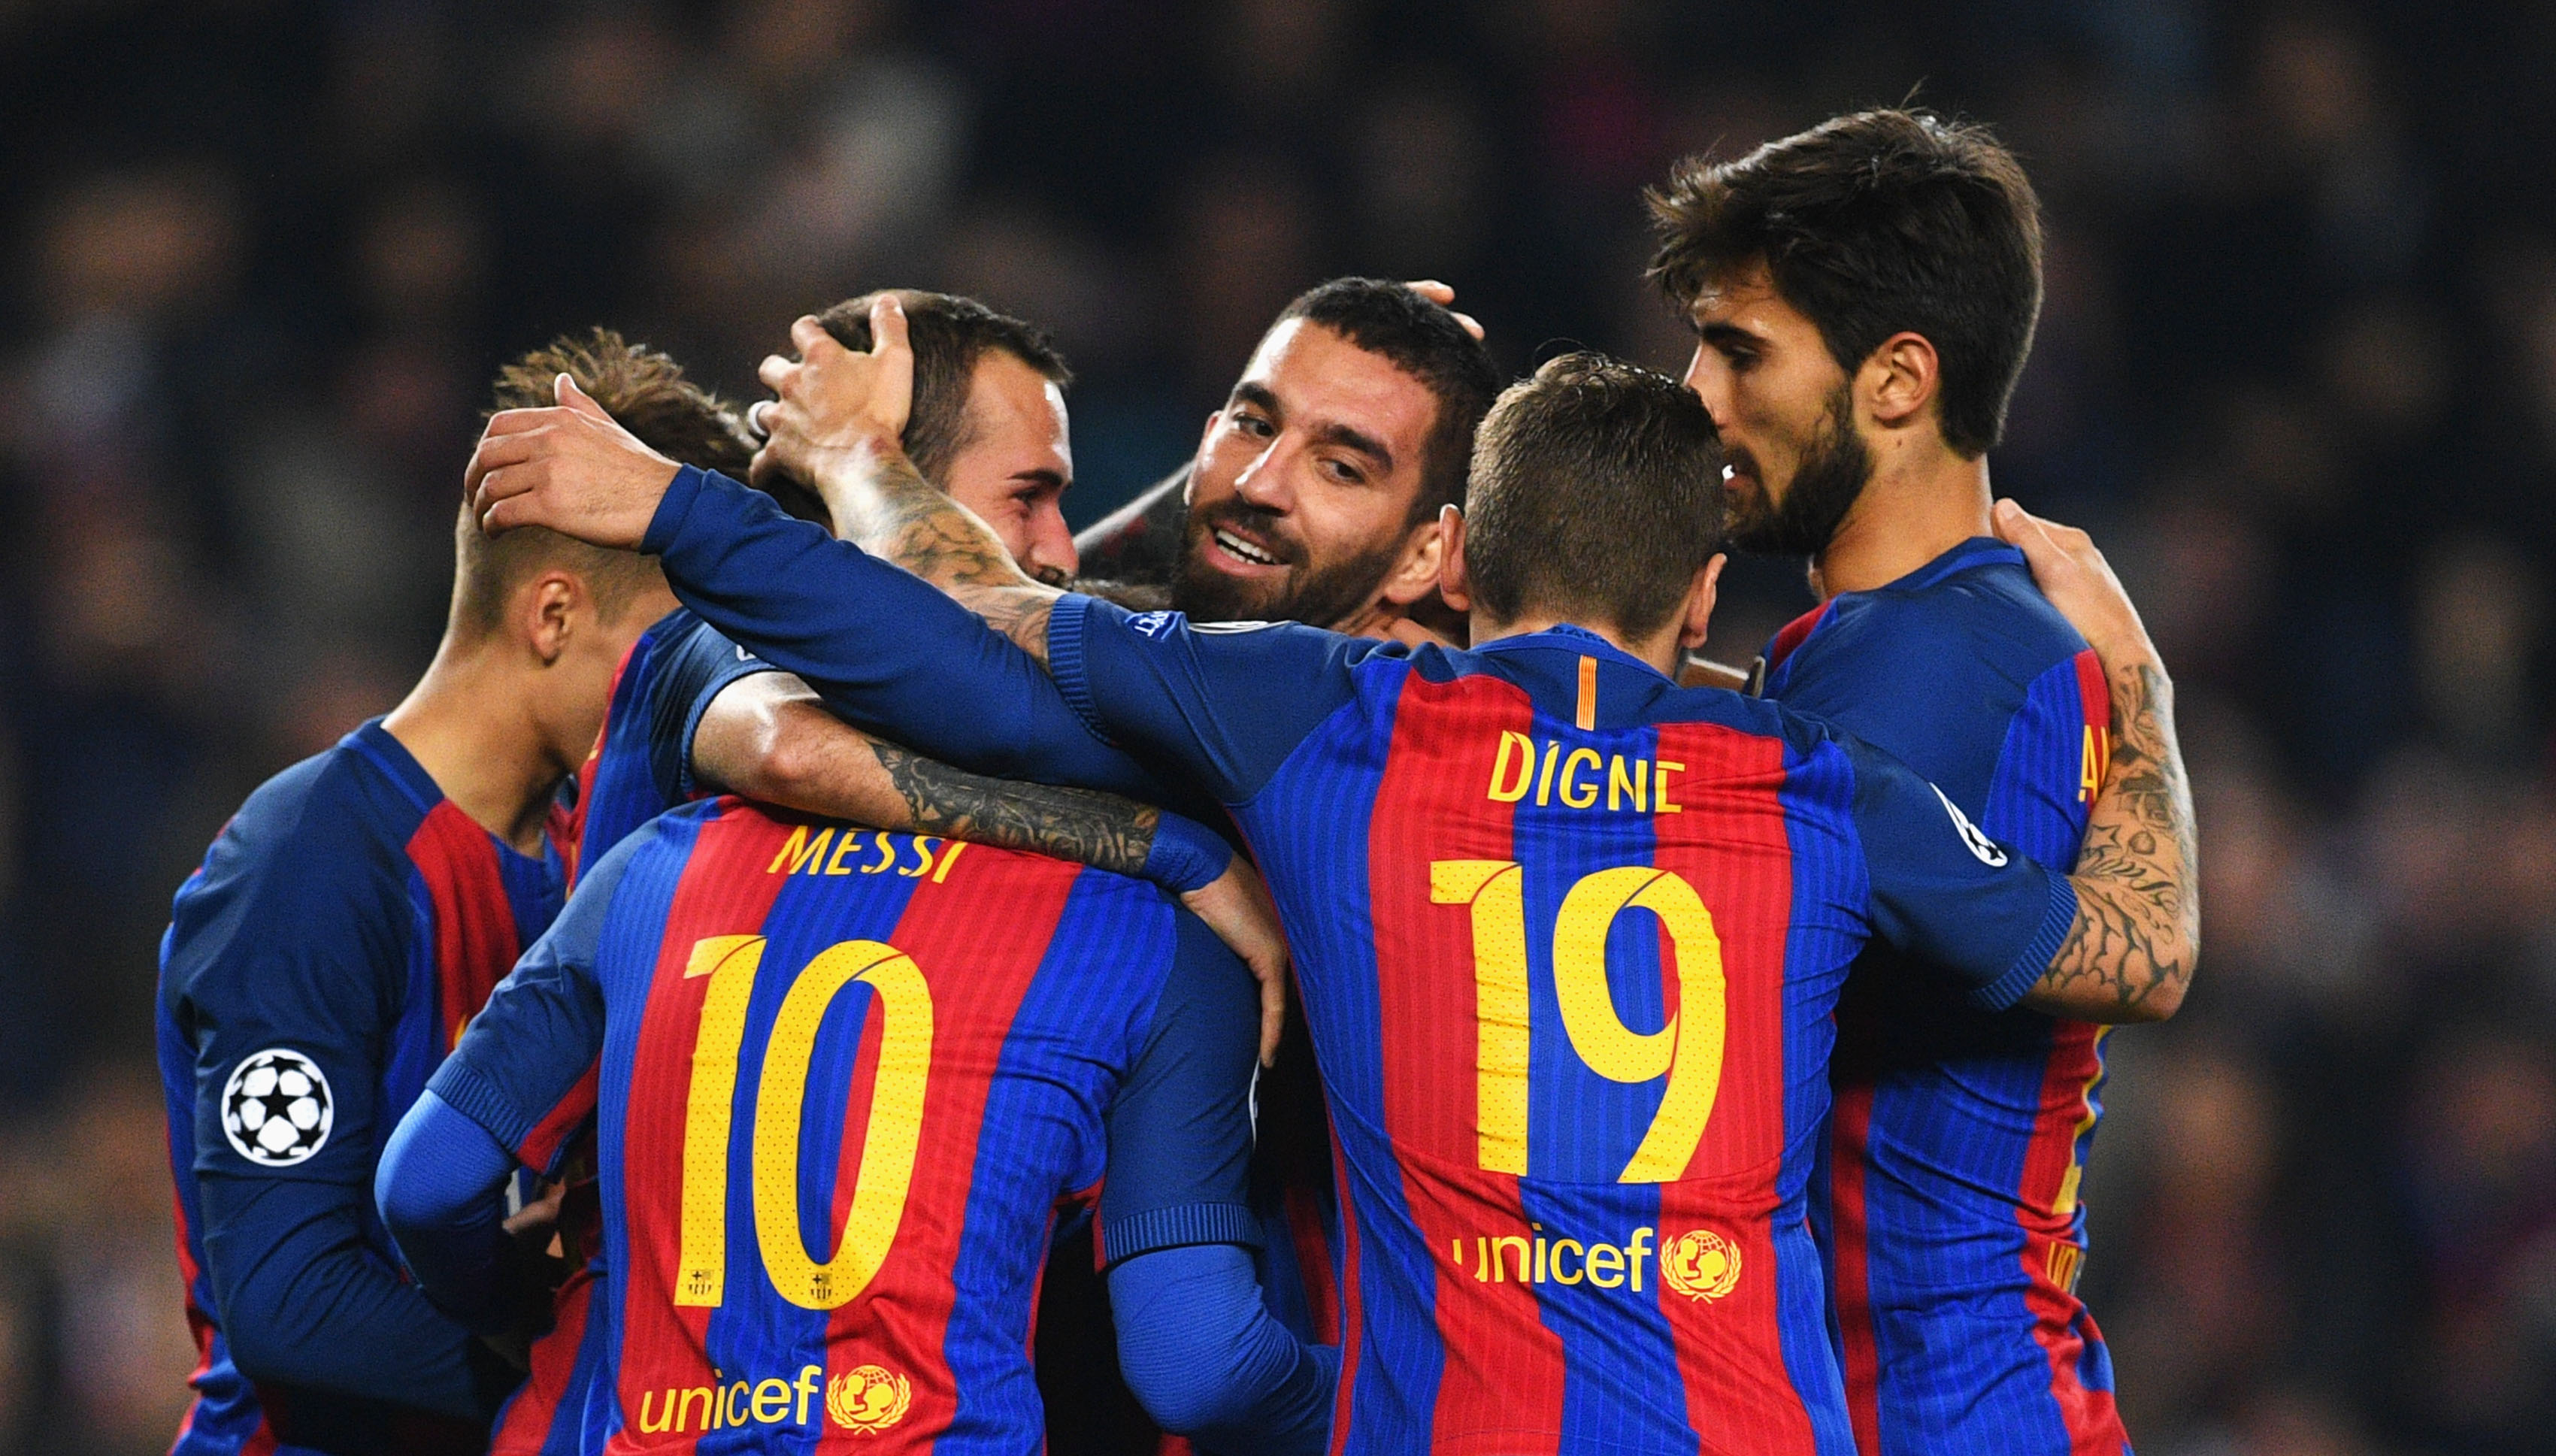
[{"x": 2028, "y": 968}]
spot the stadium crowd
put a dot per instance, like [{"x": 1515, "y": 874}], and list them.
[{"x": 2297, "y": 370}]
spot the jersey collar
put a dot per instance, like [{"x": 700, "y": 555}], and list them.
[
  {"x": 1580, "y": 641},
  {"x": 1978, "y": 551},
  {"x": 392, "y": 756}
]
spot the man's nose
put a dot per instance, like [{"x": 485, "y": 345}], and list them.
[
  {"x": 1265, "y": 482},
  {"x": 1052, "y": 552},
  {"x": 1705, "y": 377}
]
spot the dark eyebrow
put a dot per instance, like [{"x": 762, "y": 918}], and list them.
[
  {"x": 1358, "y": 440},
  {"x": 1722, "y": 335},
  {"x": 1043, "y": 477},
  {"x": 1259, "y": 396}
]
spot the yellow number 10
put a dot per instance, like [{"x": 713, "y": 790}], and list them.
[
  {"x": 1688, "y": 1049},
  {"x": 887, "y": 1147}
]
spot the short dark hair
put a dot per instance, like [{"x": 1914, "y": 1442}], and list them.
[
  {"x": 951, "y": 335},
  {"x": 1426, "y": 342},
  {"x": 1869, "y": 225},
  {"x": 646, "y": 390},
  {"x": 1596, "y": 495}
]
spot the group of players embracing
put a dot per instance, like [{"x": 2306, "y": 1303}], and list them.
[{"x": 786, "y": 912}]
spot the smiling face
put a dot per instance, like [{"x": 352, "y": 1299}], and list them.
[
  {"x": 1301, "y": 503},
  {"x": 1786, "y": 413},
  {"x": 1016, "y": 463}
]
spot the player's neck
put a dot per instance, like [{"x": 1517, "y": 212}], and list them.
[
  {"x": 1660, "y": 649},
  {"x": 1916, "y": 507},
  {"x": 471, "y": 723}
]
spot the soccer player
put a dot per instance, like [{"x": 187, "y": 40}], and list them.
[
  {"x": 690, "y": 714},
  {"x": 346, "y": 923},
  {"x": 1576, "y": 1147},
  {"x": 1333, "y": 457},
  {"x": 1865, "y": 294},
  {"x": 1317, "y": 491},
  {"x": 843, "y": 1094}
]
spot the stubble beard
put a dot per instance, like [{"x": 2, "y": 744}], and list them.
[
  {"x": 1325, "y": 596},
  {"x": 1826, "y": 485}
]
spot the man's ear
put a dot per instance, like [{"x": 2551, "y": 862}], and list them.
[
  {"x": 1454, "y": 587},
  {"x": 547, "y": 613},
  {"x": 1422, "y": 554},
  {"x": 1899, "y": 380},
  {"x": 1696, "y": 616}
]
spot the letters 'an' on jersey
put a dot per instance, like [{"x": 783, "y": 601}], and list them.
[
  {"x": 1948, "y": 1193},
  {"x": 847, "y": 1078}
]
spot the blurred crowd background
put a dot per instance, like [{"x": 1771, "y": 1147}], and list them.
[{"x": 2297, "y": 370}]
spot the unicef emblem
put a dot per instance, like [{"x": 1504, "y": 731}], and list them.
[
  {"x": 1699, "y": 1264},
  {"x": 276, "y": 1108},
  {"x": 867, "y": 1398}
]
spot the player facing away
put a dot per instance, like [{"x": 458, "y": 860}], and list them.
[
  {"x": 847, "y": 1079},
  {"x": 1865, "y": 295},
  {"x": 1518, "y": 1065},
  {"x": 343, "y": 927},
  {"x": 690, "y": 714}
]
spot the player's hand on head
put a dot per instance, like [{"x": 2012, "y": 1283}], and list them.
[
  {"x": 832, "y": 400},
  {"x": 2076, "y": 579},
  {"x": 1443, "y": 295},
  {"x": 572, "y": 468},
  {"x": 1237, "y": 907}
]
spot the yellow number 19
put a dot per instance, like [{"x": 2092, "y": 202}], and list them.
[
  {"x": 887, "y": 1147},
  {"x": 1687, "y": 1048}
]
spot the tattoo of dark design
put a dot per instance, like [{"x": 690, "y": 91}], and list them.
[
  {"x": 2138, "y": 904},
  {"x": 1098, "y": 829},
  {"x": 891, "y": 510}
]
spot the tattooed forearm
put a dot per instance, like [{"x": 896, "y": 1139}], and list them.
[
  {"x": 886, "y": 508},
  {"x": 2129, "y": 957},
  {"x": 1098, "y": 829}
]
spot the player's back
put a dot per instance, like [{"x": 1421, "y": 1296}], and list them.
[
  {"x": 1569, "y": 937},
  {"x": 1952, "y": 1215},
  {"x": 343, "y": 927},
  {"x": 848, "y": 1077}
]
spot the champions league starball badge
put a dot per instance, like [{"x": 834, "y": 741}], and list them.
[{"x": 276, "y": 1108}]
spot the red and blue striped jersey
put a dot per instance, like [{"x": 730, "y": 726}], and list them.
[
  {"x": 640, "y": 767},
  {"x": 344, "y": 927},
  {"x": 1953, "y": 1221},
  {"x": 1569, "y": 938},
  {"x": 847, "y": 1079}
]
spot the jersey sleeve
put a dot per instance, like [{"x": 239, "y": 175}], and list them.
[
  {"x": 885, "y": 650},
  {"x": 524, "y": 1069},
  {"x": 697, "y": 668},
  {"x": 1941, "y": 889},
  {"x": 1180, "y": 1129},
  {"x": 284, "y": 972},
  {"x": 1223, "y": 704},
  {"x": 289, "y": 990}
]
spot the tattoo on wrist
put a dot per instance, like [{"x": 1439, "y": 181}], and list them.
[
  {"x": 1098, "y": 829},
  {"x": 2137, "y": 903},
  {"x": 907, "y": 519}
]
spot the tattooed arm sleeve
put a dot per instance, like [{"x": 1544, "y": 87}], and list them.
[
  {"x": 769, "y": 737},
  {"x": 884, "y": 506},
  {"x": 2128, "y": 956}
]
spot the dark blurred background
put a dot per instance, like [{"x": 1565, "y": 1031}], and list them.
[{"x": 2297, "y": 370}]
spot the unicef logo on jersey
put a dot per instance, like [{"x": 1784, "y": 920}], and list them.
[
  {"x": 1981, "y": 847},
  {"x": 276, "y": 1108}
]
